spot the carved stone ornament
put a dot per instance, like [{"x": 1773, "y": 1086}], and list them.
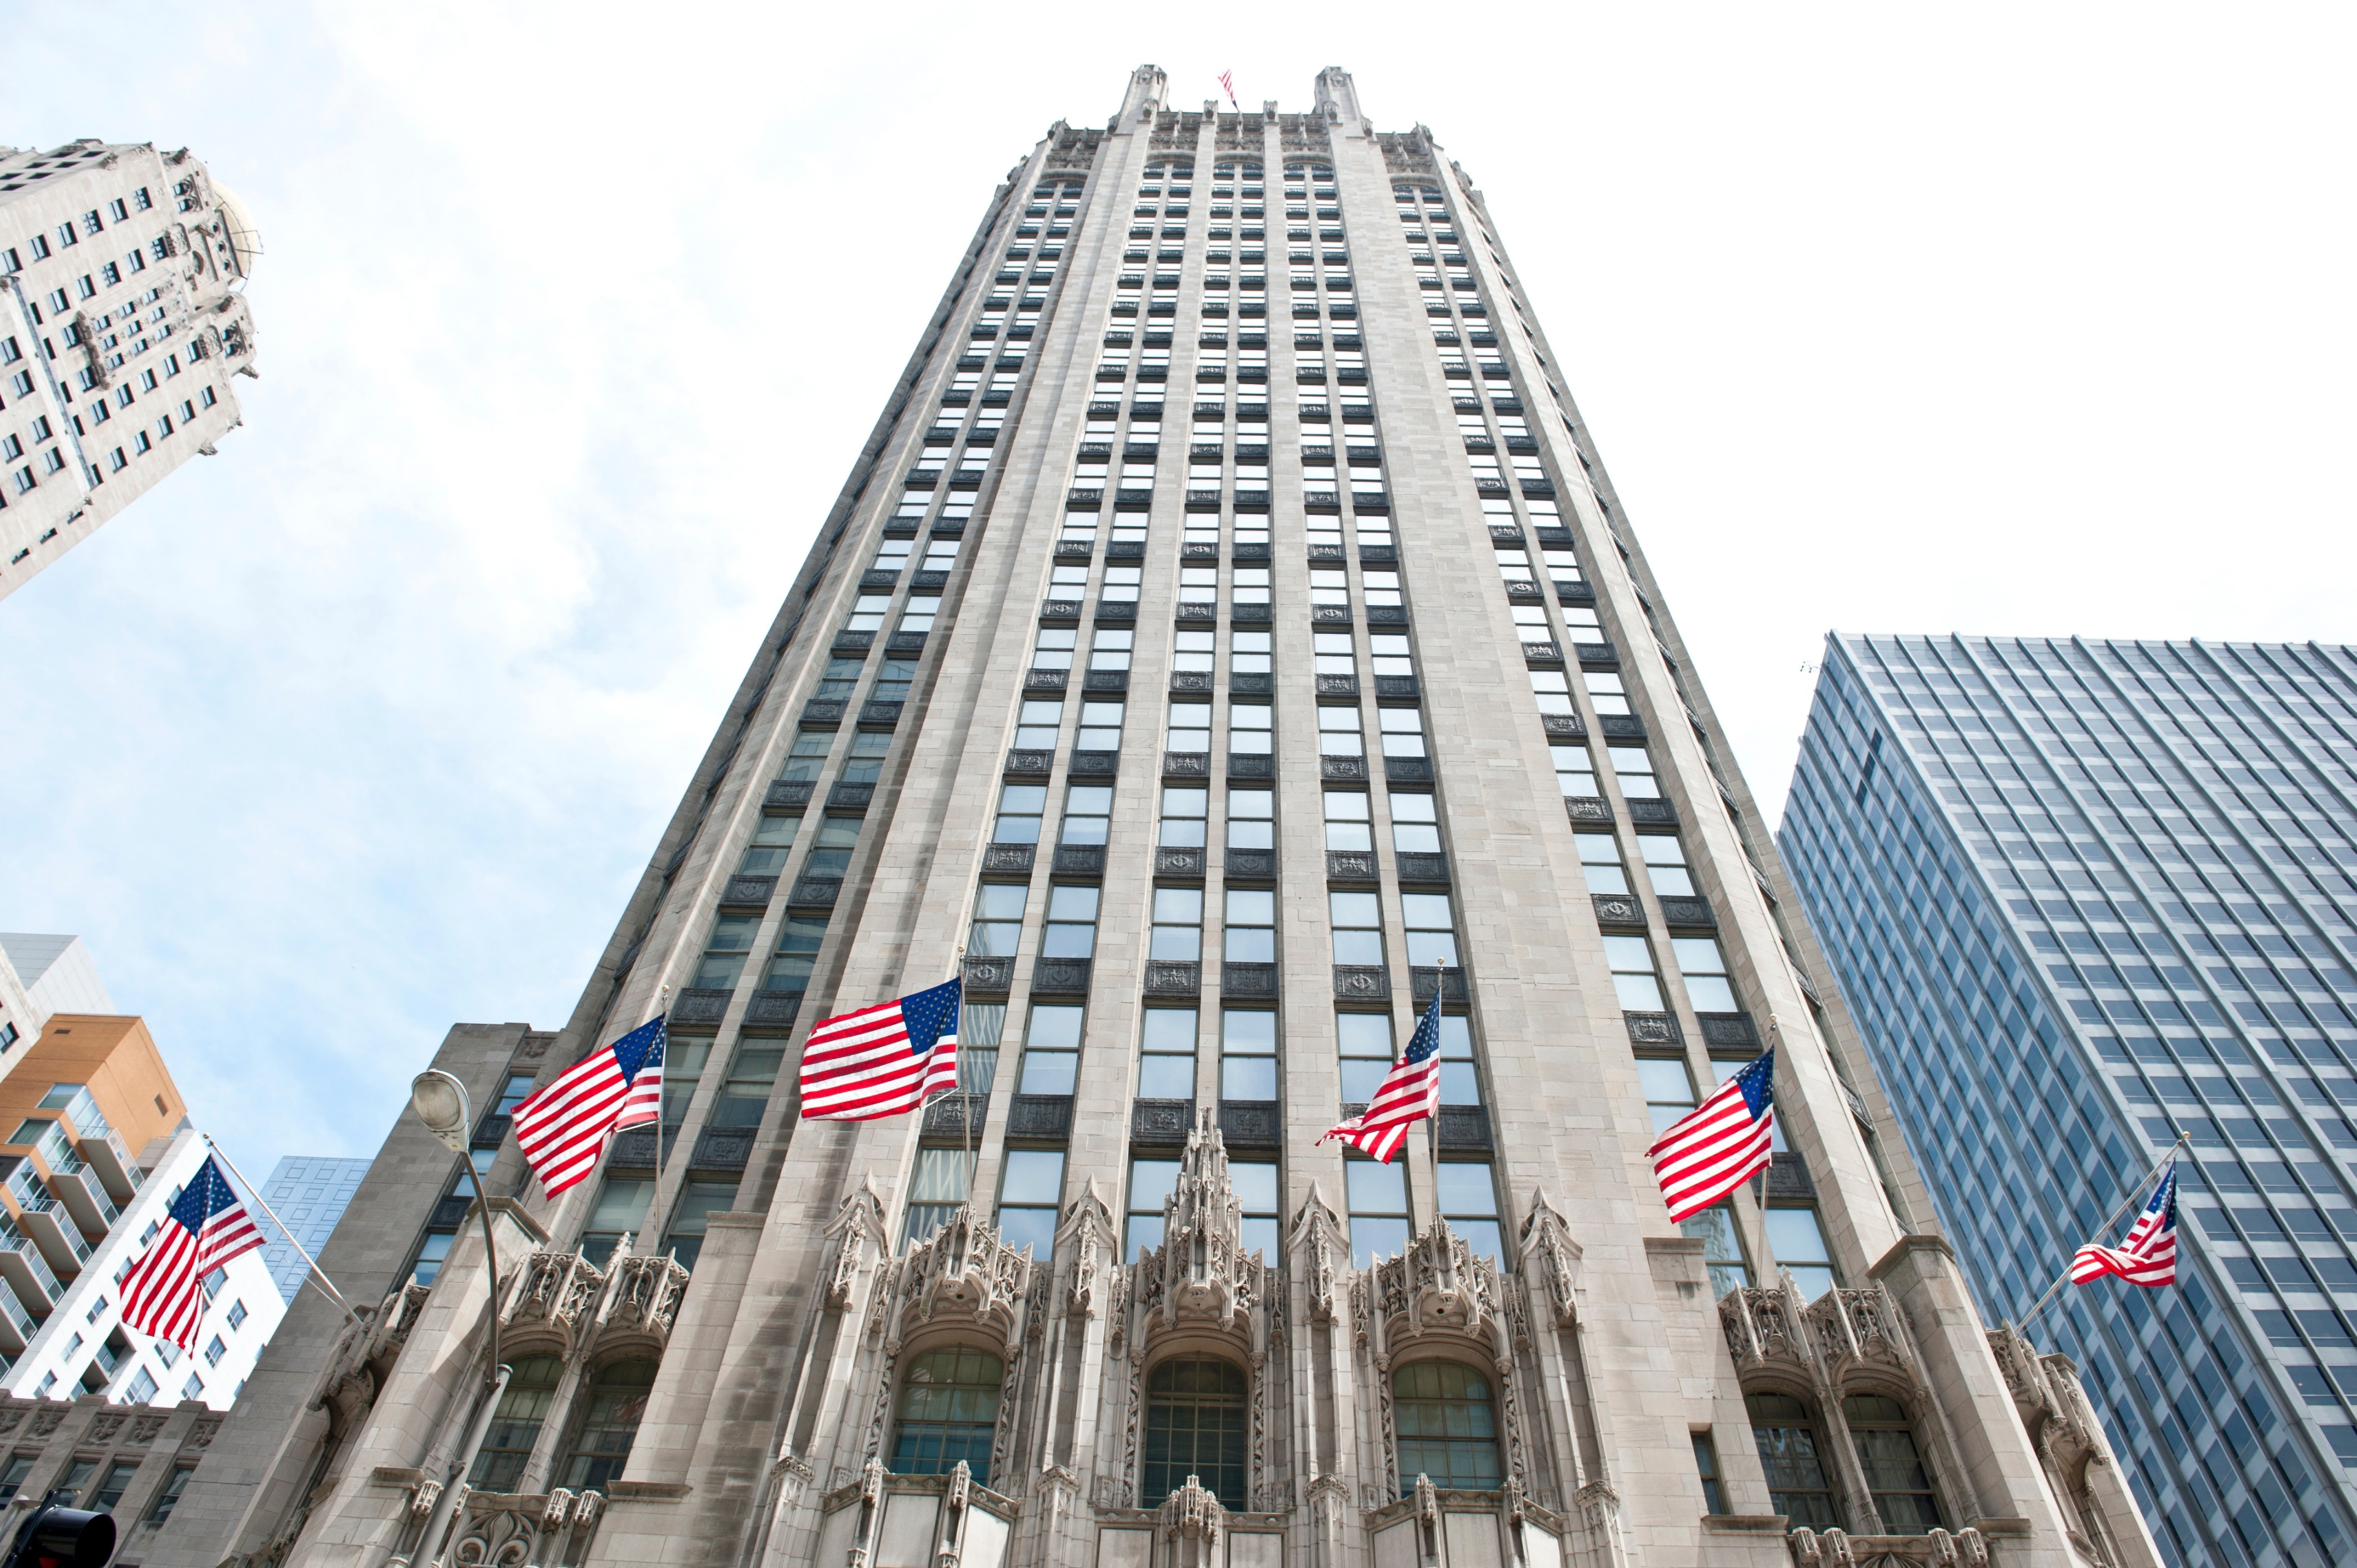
[
  {"x": 1321, "y": 1252},
  {"x": 856, "y": 1233},
  {"x": 1439, "y": 1284},
  {"x": 2052, "y": 1405},
  {"x": 509, "y": 1530},
  {"x": 1191, "y": 1523},
  {"x": 1553, "y": 1257},
  {"x": 1201, "y": 1270},
  {"x": 1090, "y": 1239},
  {"x": 964, "y": 1269},
  {"x": 1839, "y": 1549}
]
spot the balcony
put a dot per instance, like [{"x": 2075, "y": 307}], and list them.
[
  {"x": 748, "y": 892},
  {"x": 1424, "y": 981},
  {"x": 50, "y": 1225},
  {"x": 772, "y": 1012},
  {"x": 1248, "y": 981},
  {"x": 700, "y": 1007},
  {"x": 1086, "y": 860},
  {"x": 26, "y": 1273},
  {"x": 1040, "y": 1116},
  {"x": 1618, "y": 911},
  {"x": 1252, "y": 865},
  {"x": 1252, "y": 1123},
  {"x": 1161, "y": 1122},
  {"x": 1178, "y": 864},
  {"x": 85, "y": 1196},
  {"x": 112, "y": 1159},
  {"x": 17, "y": 1325},
  {"x": 1173, "y": 977},
  {"x": 1428, "y": 867},
  {"x": 815, "y": 892},
  {"x": 1009, "y": 859},
  {"x": 1060, "y": 977},
  {"x": 988, "y": 976}
]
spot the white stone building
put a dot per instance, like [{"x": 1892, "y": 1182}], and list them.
[
  {"x": 1227, "y": 640},
  {"x": 85, "y": 1348},
  {"x": 122, "y": 320}
]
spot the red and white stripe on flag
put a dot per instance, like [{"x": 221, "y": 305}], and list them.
[
  {"x": 2148, "y": 1255},
  {"x": 1721, "y": 1144},
  {"x": 562, "y": 1127},
  {"x": 884, "y": 1060},
  {"x": 1409, "y": 1093},
  {"x": 164, "y": 1293}
]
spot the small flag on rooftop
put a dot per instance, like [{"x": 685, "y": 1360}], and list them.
[{"x": 1228, "y": 82}]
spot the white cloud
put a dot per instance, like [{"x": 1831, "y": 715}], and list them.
[{"x": 572, "y": 323}]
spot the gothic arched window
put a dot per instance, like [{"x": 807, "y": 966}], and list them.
[
  {"x": 1195, "y": 1425},
  {"x": 949, "y": 1407},
  {"x": 1895, "y": 1472},
  {"x": 1447, "y": 1427},
  {"x": 515, "y": 1426},
  {"x": 609, "y": 1419},
  {"x": 1793, "y": 1458}
]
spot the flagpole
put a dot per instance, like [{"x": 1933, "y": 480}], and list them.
[
  {"x": 317, "y": 1273},
  {"x": 654, "y": 1224},
  {"x": 2141, "y": 1190}
]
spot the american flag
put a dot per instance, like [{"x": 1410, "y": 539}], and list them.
[
  {"x": 883, "y": 1061},
  {"x": 1721, "y": 1144},
  {"x": 562, "y": 1127},
  {"x": 1228, "y": 81},
  {"x": 2148, "y": 1255},
  {"x": 1409, "y": 1093},
  {"x": 164, "y": 1293}
]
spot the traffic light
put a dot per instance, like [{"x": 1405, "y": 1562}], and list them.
[{"x": 55, "y": 1536}]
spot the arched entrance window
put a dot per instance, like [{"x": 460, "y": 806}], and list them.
[
  {"x": 515, "y": 1426},
  {"x": 1895, "y": 1472},
  {"x": 615, "y": 1403},
  {"x": 1791, "y": 1453},
  {"x": 1195, "y": 1423},
  {"x": 1447, "y": 1429},
  {"x": 949, "y": 1406}
]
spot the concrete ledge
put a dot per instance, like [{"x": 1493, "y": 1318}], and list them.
[
  {"x": 648, "y": 1491},
  {"x": 1692, "y": 1244},
  {"x": 1744, "y": 1523},
  {"x": 396, "y": 1475},
  {"x": 733, "y": 1220},
  {"x": 1906, "y": 1248},
  {"x": 2000, "y": 1525}
]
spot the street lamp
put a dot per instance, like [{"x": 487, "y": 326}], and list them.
[{"x": 440, "y": 1101}]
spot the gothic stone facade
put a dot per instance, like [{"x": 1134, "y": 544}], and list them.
[{"x": 1154, "y": 1322}]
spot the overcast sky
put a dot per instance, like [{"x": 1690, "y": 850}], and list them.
[{"x": 2009, "y": 320}]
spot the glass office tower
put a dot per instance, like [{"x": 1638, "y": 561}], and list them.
[
  {"x": 2083, "y": 896},
  {"x": 1228, "y": 643}
]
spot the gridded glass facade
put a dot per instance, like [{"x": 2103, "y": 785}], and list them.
[{"x": 2083, "y": 896}]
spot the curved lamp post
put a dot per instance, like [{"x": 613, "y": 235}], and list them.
[{"x": 440, "y": 1101}]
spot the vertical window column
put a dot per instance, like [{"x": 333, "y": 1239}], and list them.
[
  {"x": 1166, "y": 1067},
  {"x": 1247, "y": 1055}
]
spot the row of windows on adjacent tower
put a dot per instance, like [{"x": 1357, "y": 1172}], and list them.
[{"x": 2013, "y": 846}]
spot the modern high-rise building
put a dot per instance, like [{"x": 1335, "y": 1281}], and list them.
[
  {"x": 122, "y": 320},
  {"x": 310, "y": 1193},
  {"x": 1226, "y": 642},
  {"x": 101, "y": 1145},
  {"x": 42, "y": 974},
  {"x": 2082, "y": 898}
]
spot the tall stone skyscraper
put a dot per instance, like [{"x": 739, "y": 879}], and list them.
[
  {"x": 2087, "y": 895},
  {"x": 122, "y": 320},
  {"x": 1226, "y": 640}
]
